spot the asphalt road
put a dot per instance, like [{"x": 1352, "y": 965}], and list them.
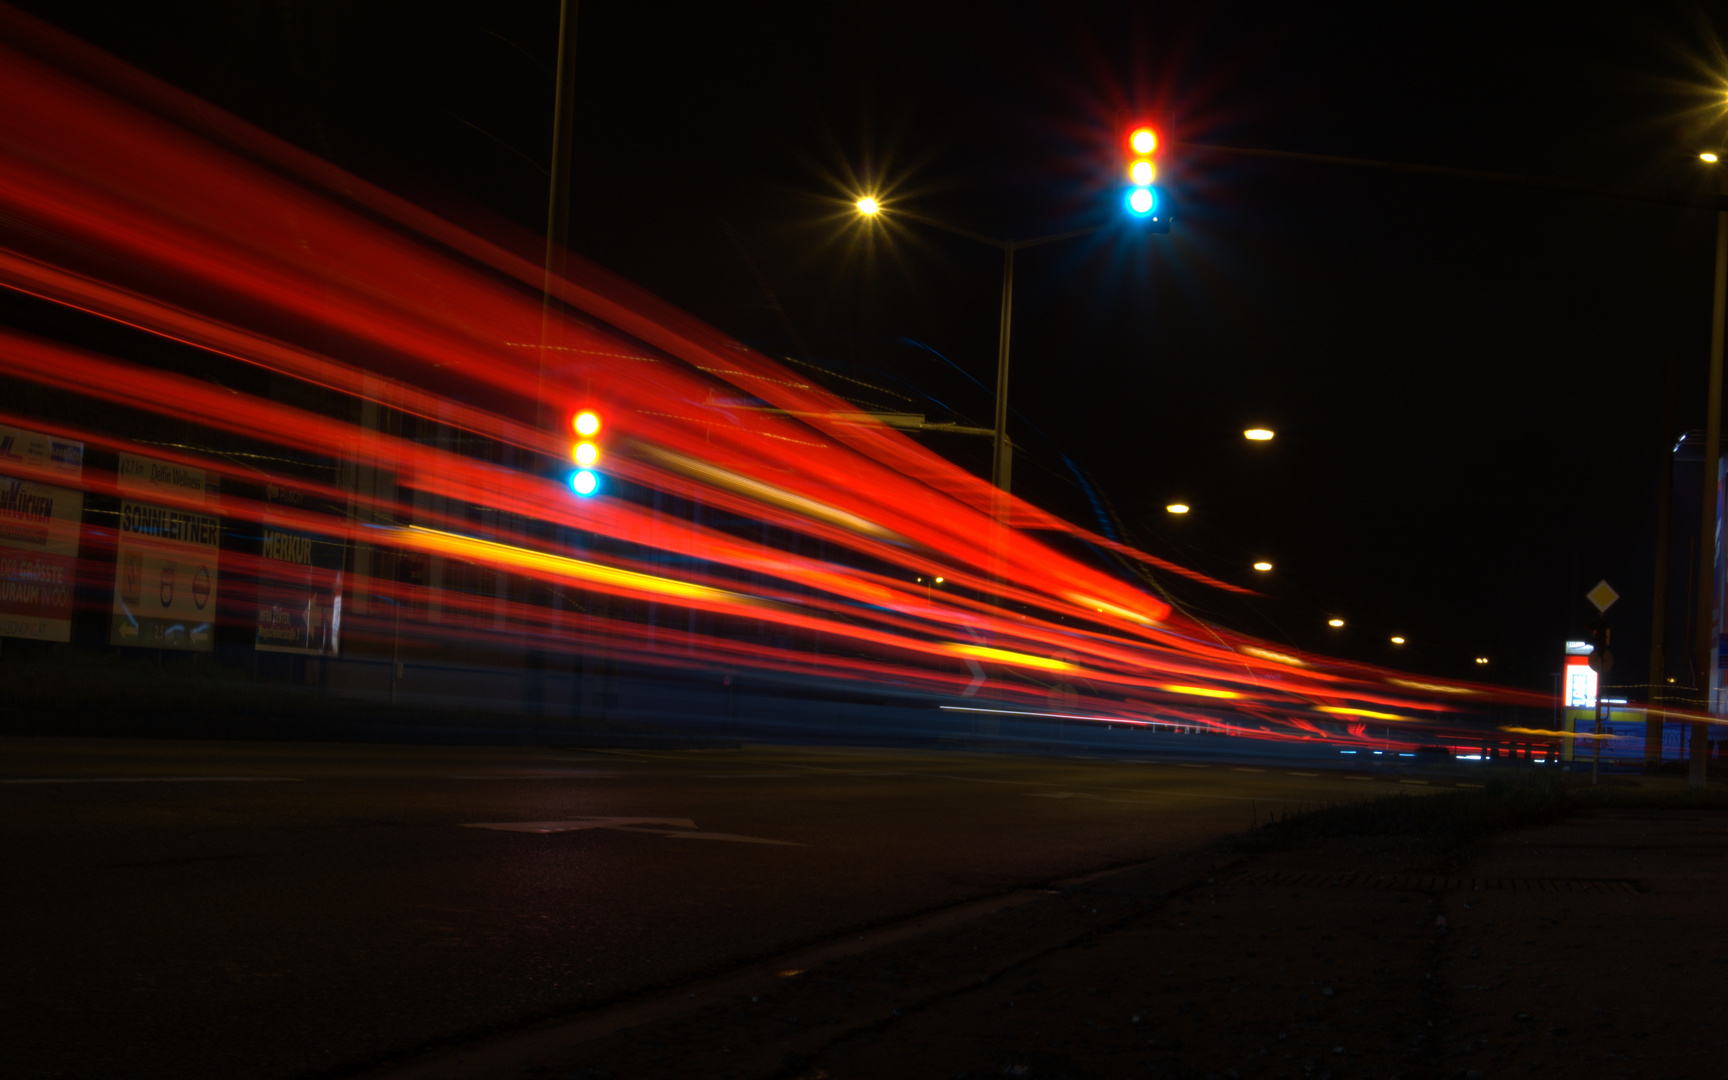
[{"x": 235, "y": 910}]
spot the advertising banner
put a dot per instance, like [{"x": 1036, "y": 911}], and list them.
[
  {"x": 38, "y": 533},
  {"x": 165, "y": 579},
  {"x": 299, "y": 588}
]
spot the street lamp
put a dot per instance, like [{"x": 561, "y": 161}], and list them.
[
  {"x": 868, "y": 206},
  {"x": 1335, "y": 623},
  {"x": 1706, "y": 634},
  {"x": 1177, "y": 508},
  {"x": 1262, "y": 566},
  {"x": 1258, "y": 434},
  {"x": 1397, "y": 641}
]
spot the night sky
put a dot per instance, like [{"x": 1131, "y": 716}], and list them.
[{"x": 1466, "y": 380}]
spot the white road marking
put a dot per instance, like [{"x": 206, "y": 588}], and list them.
[
  {"x": 149, "y": 779},
  {"x": 727, "y": 836},
  {"x": 581, "y": 823},
  {"x": 546, "y": 774},
  {"x": 679, "y": 830}
]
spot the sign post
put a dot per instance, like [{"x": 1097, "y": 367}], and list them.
[{"x": 1601, "y": 662}]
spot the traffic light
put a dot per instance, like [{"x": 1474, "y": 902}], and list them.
[
  {"x": 585, "y": 452},
  {"x": 1143, "y": 198}
]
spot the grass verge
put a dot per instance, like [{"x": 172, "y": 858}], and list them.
[{"x": 1461, "y": 815}]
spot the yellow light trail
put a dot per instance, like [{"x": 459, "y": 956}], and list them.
[
  {"x": 1544, "y": 732},
  {"x": 1003, "y": 656},
  {"x": 1433, "y": 688},
  {"x": 1366, "y": 714},
  {"x": 1201, "y": 691},
  {"x": 468, "y": 547}
]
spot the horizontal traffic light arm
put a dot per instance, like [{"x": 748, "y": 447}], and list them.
[{"x": 1707, "y": 200}]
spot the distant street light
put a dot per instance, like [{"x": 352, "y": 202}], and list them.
[
  {"x": 1481, "y": 659},
  {"x": 1177, "y": 508},
  {"x": 1707, "y": 156},
  {"x": 1262, "y": 566},
  {"x": 1397, "y": 641},
  {"x": 1258, "y": 434},
  {"x": 869, "y": 207},
  {"x": 1334, "y": 623}
]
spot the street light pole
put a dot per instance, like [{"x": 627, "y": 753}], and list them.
[
  {"x": 1002, "y": 460},
  {"x": 1706, "y": 639}
]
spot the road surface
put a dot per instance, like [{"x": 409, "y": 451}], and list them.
[{"x": 235, "y": 910}]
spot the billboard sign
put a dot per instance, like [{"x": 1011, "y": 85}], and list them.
[
  {"x": 299, "y": 587},
  {"x": 166, "y": 574},
  {"x": 1580, "y": 679},
  {"x": 38, "y": 533}
]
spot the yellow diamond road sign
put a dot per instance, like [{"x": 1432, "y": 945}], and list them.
[{"x": 1603, "y": 596}]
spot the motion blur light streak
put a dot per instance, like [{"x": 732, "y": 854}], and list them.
[
  {"x": 1368, "y": 714},
  {"x": 1201, "y": 691},
  {"x": 746, "y": 519},
  {"x": 1004, "y": 656}
]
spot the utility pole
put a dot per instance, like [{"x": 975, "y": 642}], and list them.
[
  {"x": 563, "y": 126},
  {"x": 1706, "y": 630},
  {"x": 1002, "y": 468},
  {"x": 547, "y": 414}
]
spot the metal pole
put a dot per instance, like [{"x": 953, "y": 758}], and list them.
[
  {"x": 1653, "y": 712},
  {"x": 1596, "y": 758},
  {"x": 1002, "y": 472},
  {"x": 1707, "y": 526},
  {"x": 563, "y": 124}
]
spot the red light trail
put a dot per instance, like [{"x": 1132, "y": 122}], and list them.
[{"x": 741, "y": 502}]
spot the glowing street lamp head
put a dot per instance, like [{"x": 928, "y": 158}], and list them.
[
  {"x": 586, "y": 422},
  {"x": 1334, "y": 623},
  {"x": 1481, "y": 659},
  {"x": 868, "y": 206},
  {"x": 1397, "y": 641},
  {"x": 1262, "y": 566},
  {"x": 1143, "y": 140},
  {"x": 1708, "y": 157},
  {"x": 1177, "y": 508},
  {"x": 1259, "y": 434},
  {"x": 584, "y": 483}
]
